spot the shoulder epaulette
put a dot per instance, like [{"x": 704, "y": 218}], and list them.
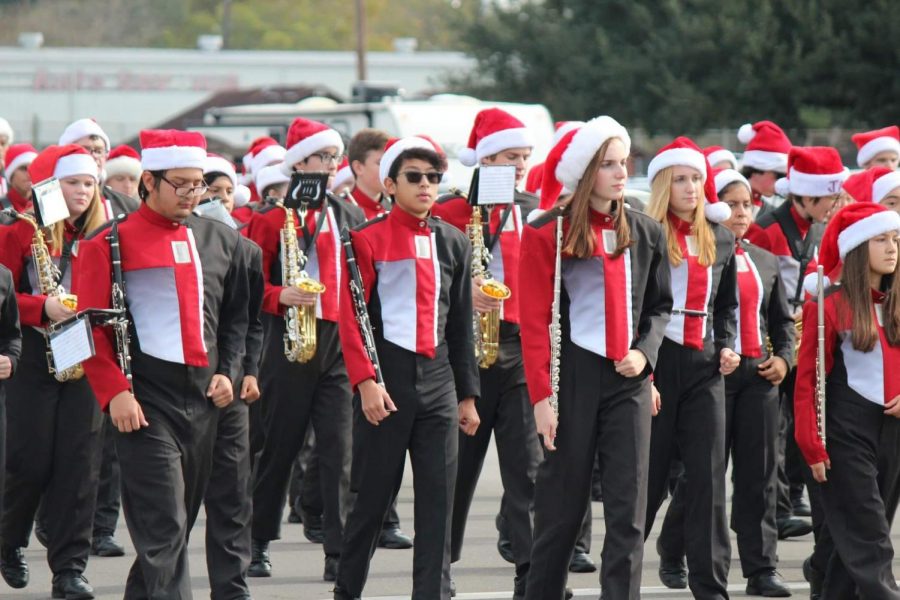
[
  {"x": 453, "y": 194},
  {"x": 121, "y": 218},
  {"x": 371, "y": 221},
  {"x": 539, "y": 220}
]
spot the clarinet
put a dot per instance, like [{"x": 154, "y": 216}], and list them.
[
  {"x": 555, "y": 329},
  {"x": 358, "y": 293},
  {"x": 820, "y": 355},
  {"x": 117, "y": 302}
]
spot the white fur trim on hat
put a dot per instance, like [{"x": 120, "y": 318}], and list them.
[
  {"x": 173, "y": 157},
  {"x": 307, "y": 146},
  {"x": 83, "y": 128},
  {"x": 723, "y": 155},
  {"x": 763, "y": 160},
  {"x": 584, "y": 145},
  {"x": 217, "y": 164},
  {"x": 865, "y": 229},
  {"x": 397, "y": 148},
  {"x": 726, "y": 177},
  {"x": 489, "y": 145},
  {"x": 267, "y": 156},
  {"x": 123, "y": 165},
  {"x": 805, "y": 184},
  {"x": 746, "y": 133},
  {"x": 343, "y": 176},
  {"x": 884, "y": 185},
  {"x": 566, "y": 128},
  {"x": 271, "y": 175},
  {"x": 811, "y": 283},
  {"x": 241, "y": 195},
  {"x": 22, "y": 160},
  {"x": 876, "y": 146},
  {"x": 75, "y": 164},
  {"x": 684, "y": 157},
  {"x": 717, "y": 212}
]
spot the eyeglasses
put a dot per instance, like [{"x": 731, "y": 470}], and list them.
[
  {"x": 101, "y": 151},
  {"x": 183, "y": 191},
  {"x": 325, "y": 157},
  {"x": 415, "y": 177}
]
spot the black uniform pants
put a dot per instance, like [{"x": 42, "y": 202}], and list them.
[
  {"x": 425, "y": 424},
  {"x": 505, "y": 411},
  {"x": 53, "y": 447},
  {"x": 109, "y": 493},
  {"x": 859, "y": 496},
  {"x": 2, "y": 443},
  {"x": 228, "y": 504},
  {"x": 691, "y": 425},
  {"x": 296, "y": 395},
  {"x": 751, "y": 437},
  {"x": 600, "y": 413},
  {"x": 791, "y": 466},
  {"x": 165, "y": 468}
]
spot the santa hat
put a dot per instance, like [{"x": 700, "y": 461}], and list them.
[
  {"x": 494, "y": 130},
  {"x": 570, "y": 157},
  {"x": 61, "y": 162},
  {"x": 685, "y": 153},
  {"x": 263, "y": 151},
  {"x": 767, "y": 146},
  {"x": 241, "y": 195},
  {"x": 564, "y": 127},
  {"x": 850, "y": 227},
  {"x": 123, "y": 160},
  {"x": 163, "y": 149},
  {"x": 83, "y": 128},
  {"x": 725, "y": 177},
  {"x": 306, "y": 137},
  {"x": 18, "y": 155},
  {"x": 397, "y": 146},
  {"x": 218, "y": 164},
  {"x": 884, "y": 181},
  {"x": 872, "y": 143},
  {"x": 271, "y": 175},
  {"x": 717, "y": 154},
  {"x": 812, "y": 171},
  {"x": 343, "y": 176},
  {"x": 7, "y": 130}
]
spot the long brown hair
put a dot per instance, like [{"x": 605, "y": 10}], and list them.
[
  {"x": 658, "y": 208},
  {"x": 92, "y": 218},
  {"x": 581, "y": 240},
  {"x": 858, "y": 296}
]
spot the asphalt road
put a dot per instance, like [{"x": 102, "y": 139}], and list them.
[{"x": 480, "y": 575}]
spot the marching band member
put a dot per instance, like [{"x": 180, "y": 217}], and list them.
[
  {"x": 364, "y": 153},
  {"x": 343, "y": 180},
  {"x": 498, "y": 138},
  {"x": 123, "y": 170},
  {"x": 857, "y": 470},
  {"x": 263, "y": 152},
  {"x": 765, "y": 159},
  {"x": 272, "y": 183},
  {"x": 876, "y": 184},
  {"x": 693, "y": 357},
  {"x": 720, "y": 158},
  {"x": 18, "y": 196},
  {"x": 315, "y": 392},
  {"x": 186, "y": 294},
  {"x": 59, "y": 464},
  {"x": 416, "y": 273},
  {"x": 7, "y": 137},
  {"x": 879, "y": 148},
  {"x": 10, "y": 353},
  {"x": 613, "y": 308}
]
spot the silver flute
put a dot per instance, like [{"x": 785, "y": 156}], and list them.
[
  {"x": 555, "y": 329},
  {"x": 820, "y": 355}
]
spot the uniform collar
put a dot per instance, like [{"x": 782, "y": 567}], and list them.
[
  {"x": 401, "y": 217},
  {"x": 19, "y": 203},
  {"x": 802, "y": 224},
  {"x": 878, "y": 296},
  {"x": 363, "y": 200},
  {"x": 154, "y": 218},
  {"x": 680, "y": 224},
  {"x": 602, "y": 219}
]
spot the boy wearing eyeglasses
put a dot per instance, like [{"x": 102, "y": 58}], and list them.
[
  {"x": 315, "y": 392},
  {"x": 416, "y": 273}
]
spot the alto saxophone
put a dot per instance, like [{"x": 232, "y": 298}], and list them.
[
  {"x": 555, "y": 328},
  {"x": 299, "y": 321},
  {"x": 49, "y": 285},
  {"x": 486, "y": 326}
]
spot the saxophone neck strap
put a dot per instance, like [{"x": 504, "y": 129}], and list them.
[{"x": 309, "y": 239}]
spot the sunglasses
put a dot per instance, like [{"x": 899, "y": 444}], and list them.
[{"x": 415, "y": 177}]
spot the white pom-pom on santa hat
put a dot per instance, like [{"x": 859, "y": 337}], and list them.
[
  {"x": 746, "y": 133},
  {"x": 811, "y": 283},
  {"x": 241, "y": 195},
  {"x": 782, "y": 186},
  {"x": 494, "y": 130},
  {"x": 7, "y": 131}
]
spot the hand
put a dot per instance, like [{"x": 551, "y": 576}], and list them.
[
  {"x": 481, "y": 302},
  {"x": 632, "y": 365},
  {"x": 56, "y": 310},
  {"x": 376, "y": 402},
  {"x": 5, "y": 367},
  {"x": 249, "y": 389},
  {"x": 774, "y": 369},
  {"x": 291, "y": 296},
  {"x": 546, "y": 422},
  {"x": 655, "y": 401},
  {"x": 126, "y": 413},
  {"x": 818, "y": 471},
  {"x": 893, "y": 408},
  {"x": 728, "y": 361},
  {"x": 468, "y": 417},
  {"x": 220, "y": 390}
]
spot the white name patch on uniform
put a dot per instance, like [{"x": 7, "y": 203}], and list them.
[
  {"x": 609, "y": 241},
  {"x": 423, "y": 246},
  {"x": 182, "y": 252},
  {"x": 692, "y": 247}
]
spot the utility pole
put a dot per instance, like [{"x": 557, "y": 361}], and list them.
[
  {"x": 226, "y": 22},
  {"x": 361, "y": 70}
]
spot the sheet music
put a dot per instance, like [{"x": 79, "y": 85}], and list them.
[
  {"x": 72, "y": 344},
  {"x": 51, "y": 204},
  {"x": 496, "y": 184}
]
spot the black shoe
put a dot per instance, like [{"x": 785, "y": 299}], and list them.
[
  {"x": 40, "y": 534},
  {"x": 340, "y": 594},
  {"x": 106, "y": 545},
  {"x": 569, "y": 593},
  {"x": 581, "y": 563},
  {"x": 71, "y": 585},
  {"x": 504, "y": 546},
  {"x": 260, "y": 565},
  {"x": 331, "y": 568},
  {"x": 519, "y": 586},
  {"x": 394, "y": 539},
  {"x": 789, "y": 527},
  {"x": 294, "y": 517},
  {"x": 801, "y": 507},
  {"x": 815, "y": 578},
  {"x": 312, "y": 528},
  {"x": 452, "y": 588},
  {"x": 768, "y": 584},
  {"x": 13, "y": 567},
  {"x": 673, "y": 573}
]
